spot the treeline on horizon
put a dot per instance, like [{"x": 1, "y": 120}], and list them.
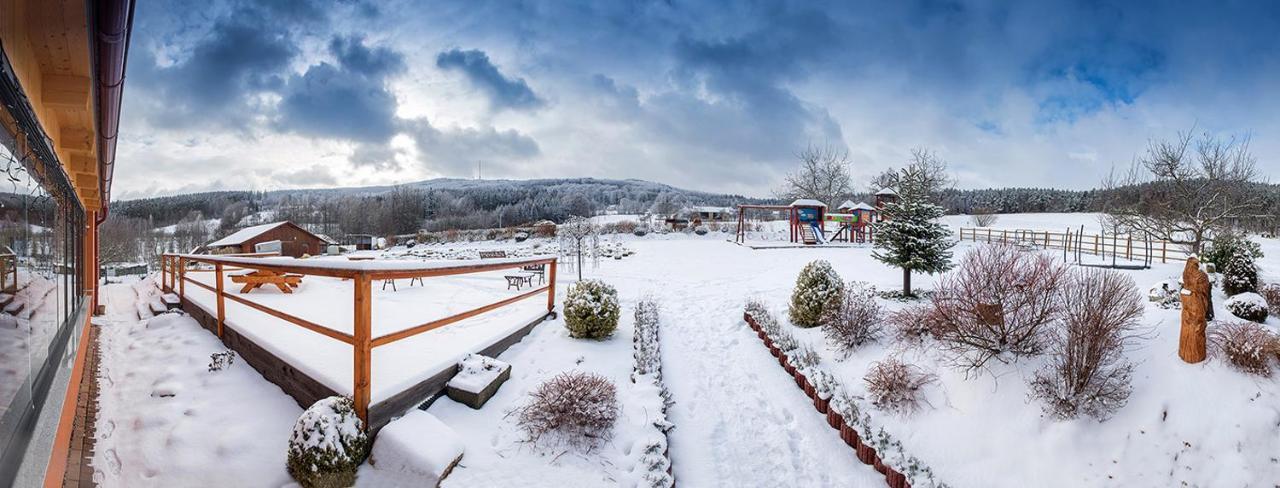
[{"x": 408, "y": 208}]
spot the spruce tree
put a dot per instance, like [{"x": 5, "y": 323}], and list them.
[{"x": 911, "y": 237}]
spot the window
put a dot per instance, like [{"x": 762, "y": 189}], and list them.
[{"x": 41, "y": 234}]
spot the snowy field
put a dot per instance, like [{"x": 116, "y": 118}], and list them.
[{"x": 740, "y": 421}]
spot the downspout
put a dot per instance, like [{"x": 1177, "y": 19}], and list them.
[{"x": 112, "y": 22}]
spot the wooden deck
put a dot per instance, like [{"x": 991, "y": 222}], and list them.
[{"x": 303, "y": 387}]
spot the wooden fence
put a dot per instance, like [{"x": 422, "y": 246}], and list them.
[
  {"x": 1126, "y": 247},
  {"x": 176, "y": 267}
]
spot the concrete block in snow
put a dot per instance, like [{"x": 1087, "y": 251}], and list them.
[
  {"x": 477, "y": 380},
  {"x": 415, "y": 450}
]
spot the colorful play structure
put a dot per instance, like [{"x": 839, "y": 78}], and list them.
[{"x": 808, "y": 221}]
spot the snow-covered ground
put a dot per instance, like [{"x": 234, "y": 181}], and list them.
[
  {"x": 740, "y": 421},
  {"x": 164, "y": 419}
]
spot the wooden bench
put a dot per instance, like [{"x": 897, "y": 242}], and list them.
[
  {"x": 252, "y": 280},
  {"x": 539, "y": 270},
  {"x": 492, "y": 254}
]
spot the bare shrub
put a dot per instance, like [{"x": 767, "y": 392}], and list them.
[
  {"x": 1246, "y": 345},
  {"x": 855, "y": 320},
  {"x": 1088, "y": 373},
  {"x": 579, "y": 407},
  {"x": 895, "y": 386},
  {"x": 626, "y": 226},
  {"x": 983, "y": 217},
  {"x": 996, "y": 305},
  {"x": 914, "y": 324},
  {"x": 1271, "y": 293}
]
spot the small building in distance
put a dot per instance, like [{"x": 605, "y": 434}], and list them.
[{"x": 293, "y": 240}]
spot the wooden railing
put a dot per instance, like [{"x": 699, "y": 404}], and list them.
[
  {"x": 175, "y": 267},
  {"x": 1128, "y": 247}
]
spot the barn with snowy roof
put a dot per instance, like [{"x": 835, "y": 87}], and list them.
[{"x": 293, "y": 240}]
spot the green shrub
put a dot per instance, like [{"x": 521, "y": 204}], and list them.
[
  {"x": 328, "y": 444},
  {"x": 817, "y": 288},
  {"x": 591, "y": 310},
  {"x": 1224, "y": 247},
  {"x": 1239, "y": 273}
]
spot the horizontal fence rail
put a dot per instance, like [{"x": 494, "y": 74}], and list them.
[
  {"x": 174, "y": 269},
  {"x": 1074, "y": 242}
]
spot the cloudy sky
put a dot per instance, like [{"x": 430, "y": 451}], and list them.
[{"x": 246, "y": 94}]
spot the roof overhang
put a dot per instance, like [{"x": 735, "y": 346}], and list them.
[{"x": 68, "y": 58}]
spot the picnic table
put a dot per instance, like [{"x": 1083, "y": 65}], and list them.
[
  {"x": 252, "y": 280},
  {"x": 518, "y": 280}
]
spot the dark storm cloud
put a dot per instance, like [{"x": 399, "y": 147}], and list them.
[
  {"x": 347, "y": 100},
  {"x": 711, "y": 91},
  {"x": 503, "y": 91},
  {"x": 241, "y": 55}
]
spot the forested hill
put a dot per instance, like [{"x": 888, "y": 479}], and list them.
[{"x": 432, "y": 204}]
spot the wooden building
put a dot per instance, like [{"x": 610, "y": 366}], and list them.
[
  {"x": 62, "y": 65},
  {"x": 293, "y": 241}
]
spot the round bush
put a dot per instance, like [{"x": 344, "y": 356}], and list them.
[
  {"x": 328, "y": 444},
  {"x": 1248, "y": 306},
  {"x": 591, "y": 310},
  {"x": 701, "y": 230},
  {"x": 817, "y": 288},
  {"x": 640, "y": 231}
]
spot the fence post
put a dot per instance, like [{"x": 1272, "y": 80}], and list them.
[
  {"x": 182, "y": 277},
  {"x": 1128, "y": 248},
  {"x": 1004, "y": 237},
  {"x": 361, "y": 348},
  {"x": 1164, "y": 250},
  {"x": 551, "y": 287},
  {"x": 222, "y": 310},
  {"x": 988, "y": 236}
]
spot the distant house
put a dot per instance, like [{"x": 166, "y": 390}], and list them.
[
  {"x": 712, "y": 214},
  {"x": 361, "y": 242},
  {"x": 292, "y": 240}
]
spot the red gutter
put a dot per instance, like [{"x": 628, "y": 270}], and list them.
[{"x": 112, "y": 22}]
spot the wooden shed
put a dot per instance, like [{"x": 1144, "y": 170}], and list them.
[{"x": 294, "y": 240}]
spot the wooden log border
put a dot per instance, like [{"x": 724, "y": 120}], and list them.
[{"x": 863, "y": 451}]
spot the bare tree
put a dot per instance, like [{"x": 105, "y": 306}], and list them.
[
  {"x": 925, "y": 174},
  {"x": 824, "y": 174},
  {"x": 983, "y": 217},
  {"x": 1186, "y": 189},
  {"x": 578, "y": 236}
]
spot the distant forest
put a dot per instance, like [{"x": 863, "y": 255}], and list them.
[{"x": 182, "y": 222}]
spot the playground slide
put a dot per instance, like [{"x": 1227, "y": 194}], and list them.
[{"x": 818, "y": 235}]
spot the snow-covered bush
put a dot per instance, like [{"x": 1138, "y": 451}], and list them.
[
  {"x": 1248, "y": 306},
  {"x": 1166, "y": 293},
  {"x": 1240, "y": 273},
  {"x": 328, "y": 444},
  {"x": 996, "y": 305},
  {"x": 221, "y": 360},
  {"x": 645, "y": 340},
  {"x": 854, "y": 320},
  {"x": 701, "y": 230},
  {"x": 580, "y": 408},
  {"x": 591, "y": 310},
  {"x": 1225, "y": 247},
  {"x": 817, "y": 288},
  {"x": 640, "y": 231},
  {"x": 895, "y": 386},
  {"x": 1088, "y": 374},
  {"x": 1271, "y": 293},
  {"x": 803, "y": 357},
  {"x": 1246, "y": 345}
]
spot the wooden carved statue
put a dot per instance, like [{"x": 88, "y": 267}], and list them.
[{"x": 1196, "y": 297}]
